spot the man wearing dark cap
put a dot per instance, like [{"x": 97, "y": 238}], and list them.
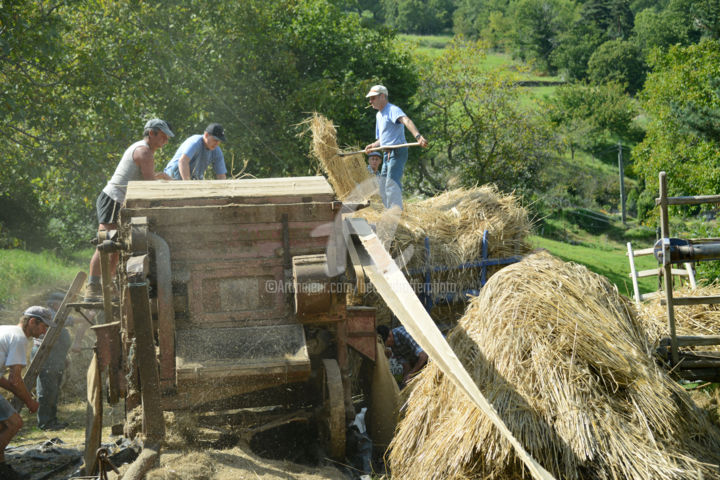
[
  {"x": 196, "y": 153},
  {"x": 137, "y": 163},
  {"x": 13, "y": 352}
]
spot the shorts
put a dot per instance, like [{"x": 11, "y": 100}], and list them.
[
  {"x": 108, "y": 210},
  {"x": 6, "y": 410}
]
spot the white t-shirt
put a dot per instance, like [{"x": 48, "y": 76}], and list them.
[{"x": 13, "y": 346}]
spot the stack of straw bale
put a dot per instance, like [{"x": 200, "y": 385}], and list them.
[
  {"x": 689, "y": 319},
  {"x": 454, "y": 223},
  {"x": 560, "y": 355},
  {"x": 348, "y": 175}
]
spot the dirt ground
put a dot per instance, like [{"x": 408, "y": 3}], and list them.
[
  {"x": 178, "y": 460},
  {"x": 56, "y": 455}
]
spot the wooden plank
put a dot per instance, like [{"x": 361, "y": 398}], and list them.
[
  {"x": 50, "y": 338},
  {"x": 400, "y": 297},
  {"x": 692, "y": 200},
  {"x": 633, "y": 273},
  {"x": 153, "y": 420},
  {"x": 643, "y": 252},
  {"x": 699, "y": 340},
  {"x": 247, "y": 188},
  {"x": 709, "y": 300},
  {"x": 654, "y": 272},
  {"x": 651, "y": 295},
  {"x": 230, "y": 213}
]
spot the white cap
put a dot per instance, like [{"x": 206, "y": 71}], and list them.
[{"x": 377, "y": 90}]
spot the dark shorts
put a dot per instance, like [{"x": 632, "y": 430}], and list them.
[{"x": 108, "y": 210}]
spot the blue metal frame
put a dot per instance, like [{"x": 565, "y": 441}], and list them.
[{"x": 426, "y": 295}]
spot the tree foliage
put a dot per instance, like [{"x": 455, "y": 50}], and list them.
[
  {"x": 618, "y": 61},
  {"x": 538, "y": 24},
  {"x": 679, "y": 96},
  {"x": 479, "y": 132},
  {"x": 418, "y": 16},
  {"x": 592, "y": 115},
  {"x": 79, "y": 79}
]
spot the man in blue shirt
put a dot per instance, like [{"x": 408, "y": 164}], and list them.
[
  {"x": 196, "y": 153},
  {"x": 390, "y": 123}
]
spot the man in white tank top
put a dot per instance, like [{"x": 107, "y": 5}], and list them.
[{"x": 137, "y": 163}]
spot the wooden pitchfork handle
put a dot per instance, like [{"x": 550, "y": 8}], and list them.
[{"x": 377, "y": 149}]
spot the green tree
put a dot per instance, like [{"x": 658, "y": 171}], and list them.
[
  {"x": 79, "y": 80},
  {"x": 418, "y": 16},
  {"x": 591, "y": 115},
  {"x": 479, "y": 131},
  {"x": 598, "y": 21},
  {"x": 471, "y": 17},
  {"x": 537, "y": 26},
  {"x": 655, "y": 29},
  {"x": 682, "y": 89},
  {"x": 574, "y": 49},
  {"x": 618, "y": 61}
]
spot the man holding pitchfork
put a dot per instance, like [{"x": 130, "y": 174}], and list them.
[{"x": 390, "y": 123}]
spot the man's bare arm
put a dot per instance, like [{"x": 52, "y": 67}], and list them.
[
  {"x": 184, "y": 167},
  {"x": 145, "y": 159},
  {"x": 16, "y": 385},
  {"x": 410, "y": 125}
]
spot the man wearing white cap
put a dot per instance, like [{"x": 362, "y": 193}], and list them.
[
  {"x": 137, "y": 163},
  {"x": 13, "y": 353},
  {"x": 390, "y": 123}
]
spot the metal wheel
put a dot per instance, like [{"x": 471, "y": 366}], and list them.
[{"x": 332, "y": 421}]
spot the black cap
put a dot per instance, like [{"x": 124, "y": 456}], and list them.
[{"x": 216, "y": 130}]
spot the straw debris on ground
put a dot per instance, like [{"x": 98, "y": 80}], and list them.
[
  {"x": 700, "y": 319},
  {"x": 565, "y": 362}
]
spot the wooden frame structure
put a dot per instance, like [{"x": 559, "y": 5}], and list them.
[
  {"x": 635, "y": 275},
  {"x": 694, "y": 367}
]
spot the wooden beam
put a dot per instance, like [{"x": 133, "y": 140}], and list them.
[
  {"x": 692, "y": 200},
  {"x": 709, "y": 300}
]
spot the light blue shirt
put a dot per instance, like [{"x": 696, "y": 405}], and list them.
[
  {"x": 200, "y": 157},
  {"x": 387, "y": 127}
]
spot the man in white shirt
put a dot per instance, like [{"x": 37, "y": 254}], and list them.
[{"x": 13, "y": 354}]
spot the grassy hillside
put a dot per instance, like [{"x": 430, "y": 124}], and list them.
[
  {"x": 607, "y": 258},
  {"x": 27, "y": 274}
]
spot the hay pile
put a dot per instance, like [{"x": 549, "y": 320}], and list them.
[
  {"x": 559, "y": 354},
  {"x": 689, "y": 319},
  {"x": 348, "y": 175},
  {"x": 454, "y": 223}
]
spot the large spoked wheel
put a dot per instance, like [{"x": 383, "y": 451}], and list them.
[{"x": 332, "y": 419}]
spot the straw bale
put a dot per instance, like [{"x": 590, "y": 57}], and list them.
[
  {"x": 348, "y": 175},
  {"x": 454, "y": 223},
  {"x": 567, "y": 365},
  {"x": 689, "y": 319}
]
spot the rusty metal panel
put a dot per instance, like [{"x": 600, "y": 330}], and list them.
[
  {"x": 267, "y": 351},
  {"x": 240, "y": 293},
  {"x": 361, "y": 330}
]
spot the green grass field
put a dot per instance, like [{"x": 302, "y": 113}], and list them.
[
  {"x": 27, "y": 273},
  {"x": 606, "y": 258}
]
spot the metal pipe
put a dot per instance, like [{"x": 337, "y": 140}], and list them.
[{"x": 166, "y": 311}]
